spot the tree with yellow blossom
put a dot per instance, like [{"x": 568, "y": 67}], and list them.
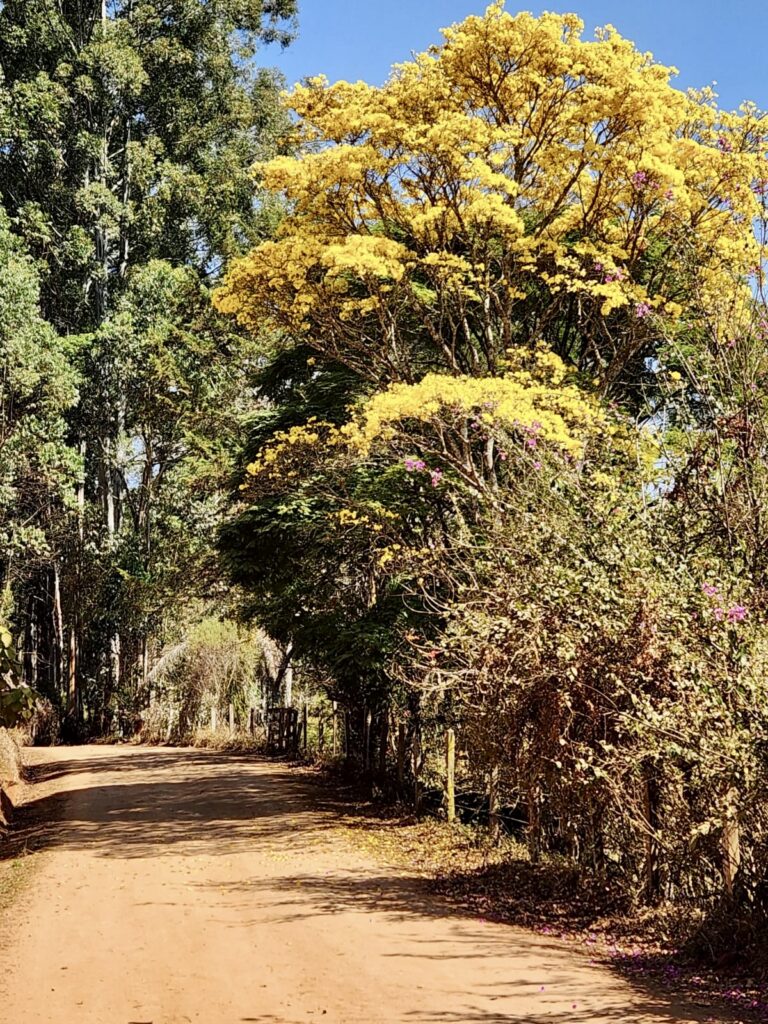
[
  {"x": 520, "y": 243},
  {"x": 515, "y": 185}
]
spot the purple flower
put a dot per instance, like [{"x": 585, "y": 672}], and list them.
[
  {"x": 415, "y": 465},
  {"x": 436, "y": 476},
  {"x": 710, "y": 590},
  {"x": 642, "y": 310},
  {"x": 639, "y": 178}
]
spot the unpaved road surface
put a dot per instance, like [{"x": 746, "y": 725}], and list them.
[{"x": 180, "y": 886}]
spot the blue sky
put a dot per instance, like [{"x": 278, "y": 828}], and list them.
[{"x": 707, "y": 40}]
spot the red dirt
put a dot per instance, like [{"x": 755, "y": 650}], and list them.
[{"x": 180, "y": 885}]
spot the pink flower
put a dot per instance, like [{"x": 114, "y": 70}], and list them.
[
  {"x": 642, "y": 310},
  {"x": 719, "y": 614},
  {"x": 639, "y": 178},
  {"x": 532, "y": 434},
  {"x": 436, "y": 476},
  {"x": 537, "y": 465},
  {"x": 415, "y": 465},
  {"x": 737, "y": 613},
  {"x": 724, "y": 145},
  {"x": 710, "y": 590}
]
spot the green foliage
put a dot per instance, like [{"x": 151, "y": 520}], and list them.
[
  {"x": 217, "y": 664},
  {"x": 128, "y": 135},
  {"x": 16, "y": 702},
  {"x": 93, "y": 152}
]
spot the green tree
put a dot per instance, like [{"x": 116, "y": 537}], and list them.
[
  {"x": 128, "y": 133},
  {"x": 38, "y": 386}
]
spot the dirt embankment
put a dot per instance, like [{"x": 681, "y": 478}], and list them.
[{"x": 10, "y": 775}]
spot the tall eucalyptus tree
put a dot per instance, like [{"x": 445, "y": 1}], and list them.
[{"x": 129, "y": 130}]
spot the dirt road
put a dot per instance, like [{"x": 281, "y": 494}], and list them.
[{"x": 181, "y": 886}]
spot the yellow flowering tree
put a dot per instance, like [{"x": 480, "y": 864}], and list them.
[
  {"x": 515, "y": 184},
  {"x": 520, "y": 227}
]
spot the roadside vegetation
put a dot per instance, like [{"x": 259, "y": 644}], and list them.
[{"x": 438, "y": 407}]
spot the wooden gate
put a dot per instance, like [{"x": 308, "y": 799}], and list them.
[{"x": 282, "y": 731}]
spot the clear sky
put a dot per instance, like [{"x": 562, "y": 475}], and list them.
[{"x": 707, "y": 40}]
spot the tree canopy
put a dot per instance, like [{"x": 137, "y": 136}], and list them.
[{"x": 533, "y": 514}]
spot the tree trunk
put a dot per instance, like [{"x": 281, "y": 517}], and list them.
[
  {"x": 58, "y": 622},
  {"x": 288, "y": 685},
  {"x": 651, "y": 824}
]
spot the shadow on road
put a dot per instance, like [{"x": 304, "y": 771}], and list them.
[{"x": 147, "y": 803}]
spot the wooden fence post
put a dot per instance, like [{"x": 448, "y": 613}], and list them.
[
  {"x": 214, "y": 722},
  {"x": 450, "y": 773},
  {"x": 231, "y": 719},
  {"x": 383, "y": 743},
  {"x": 334, "y": 731},
  {"x": 494, "y": 822},
  {"x": 252, "y": 720},
  {"x": 366, "y": 741},
  {"x": 731, "y": 841},
  {"x": 401, "y": 757},
  {"x": 534, "y": 823},
  {"x": 651, "y": 816},
  {"x": 304, "y": 725},
  {"x": 416, "y": 763},
  {"x": 320, "y": 734}
]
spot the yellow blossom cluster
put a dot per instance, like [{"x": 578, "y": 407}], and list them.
[
  {"x": 536, "y": 400},
  {"x": 288, "y": 449},
  {"x": 515, "y": 155},
  {"x": 374, "y": 518}
]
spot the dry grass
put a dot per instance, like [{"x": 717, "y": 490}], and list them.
[
  {"x": 238, "y": 742},
  {"x": 14, "y": 875}
]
